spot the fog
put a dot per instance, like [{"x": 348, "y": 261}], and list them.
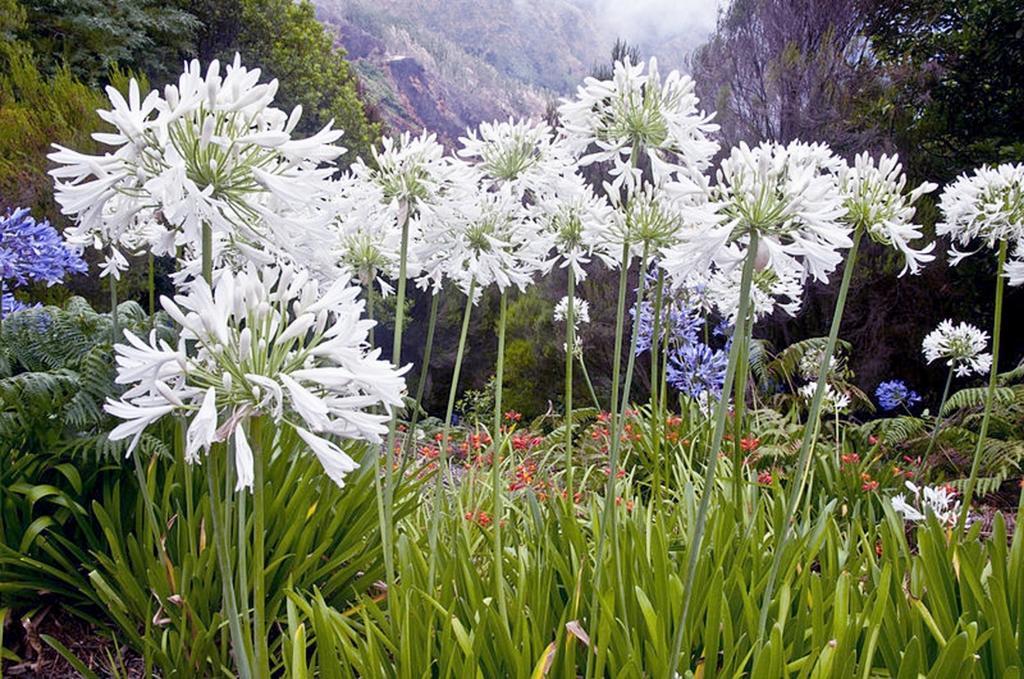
[{"x": 645, "y": 21}]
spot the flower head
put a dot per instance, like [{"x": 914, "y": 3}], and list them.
[
  {"x": 638, "y": 115},
  {"x": 896, "y": 394},
  {"x": 32, "y": 251},
  {"x": 580, "y": 311},
  {"x": 483, "y": 240},
  {"x": 523, "y": 154},
  {"x": 272, "y": 342},
  {"x": 986, "y": 206},
  {"x": 962, "y": 346},
  {"x": 697, "y": 370},
  {"x": 874, "y": 200},
  {"x": 210, "y": 151},
  {"x": 925, "y": 500},
  {"x": 832, "y": 399},
  {"x": 575, "y": 221}
]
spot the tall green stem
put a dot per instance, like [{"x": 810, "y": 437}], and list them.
[
  {"x": 498, "y": 440},
  {"x": 739, "y": 409},
  {"x": 570, "y": 351},
  {"x": 618, "y": 418},
  {"x": 151, "y": 280},
  {"x": 938, "y": 414},
  {"x": 609, "y": 501},
  {"x": 716, "y": 443},
  {"x": 422, "y": 383},
  {"x": 590, "y": 384},
  {"x": 389, "y": 454},
  {"x": 810, "y": 433},
  {"x": 114, "y": 329},
  {"x": 259, "y": 632},
  {"x": 658, "y": 423},
  {"x": 443, "y": 453},
  {"x": 207, "y": 253},
  {"x": 990, "y": 394}
]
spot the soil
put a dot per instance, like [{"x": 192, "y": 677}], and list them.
[{"x": 93, "y": 646}]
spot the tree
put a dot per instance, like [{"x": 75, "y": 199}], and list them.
[
  {"x": 289, "y": 43},
  {"x": 92, "y": 36},
  {"x": 788, "y": 69},
  {"x": 956, "y": 69}
]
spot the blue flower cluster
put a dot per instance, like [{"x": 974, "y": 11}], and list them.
[
  {"x": 894, "y": 394},
  {"x": 31, "y": 251},
  {"x": 694, "y": 368}
]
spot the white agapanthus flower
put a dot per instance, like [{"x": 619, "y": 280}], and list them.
[
  {"x": 638, "y": 115},
  {"x": 832, "y": 399},
  {"x": 523, "y": 153},
  {"x": 789, "y": 196},
  {"x": 413, "y": 170},
  {"x": 810, "y": 363},
  {"x": 925, "y": 500},
  {"x": 580, "y": 311},
  {"x": 770, "y": 289},
  {"x": 575, "y": 222},
  {"x": 212, "y": 150},
  {"x": 986, "y": 207},
  {"x": 961, "y": 346},
  {"x": 271, "y": 342},
  {"x": 874, "y": 200},
  {"x": 486, "y": 240},
  {"x": 410, "y": 182},
  {"x": 787, "y": 193},
  {"x": 367, "y": 236}
]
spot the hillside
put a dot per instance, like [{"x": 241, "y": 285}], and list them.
[{"x": 446, "y": 65}]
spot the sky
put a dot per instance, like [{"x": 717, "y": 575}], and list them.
[{"x": 640, "y": 20}]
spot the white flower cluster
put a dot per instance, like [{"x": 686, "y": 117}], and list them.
[
  {"x": 925, "y": 500},
  {"x": 639, "y": 116},
  {"x": 962, "y": 346},
  {"x": 210, "y": 151},
  {"x": 875, "y": 200},
  {"x": 580, "y": 311},
  {"x": 832, "y": 399},
  {"x": 262, "y": 342},
  {"x": 986, "y": 206}
]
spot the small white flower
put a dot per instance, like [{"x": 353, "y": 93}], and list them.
[
  {"x": 202, "y": 430},
  {"x": 986, "y": 206},
  {"x": 580, "y": 311},
  {"x": 831, "y": 400},
  {"x": 243, "y": 460},
  {"x": 962, "y": 346},
  {"x": 926, "y": 500}
]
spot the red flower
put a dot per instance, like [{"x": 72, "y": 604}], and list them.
[
  {"x": 513, "y": 416},
  {"x": 765, "y": 477},
  {"x": 850, "y": 458},
  {"x": 750, "y": 444}
]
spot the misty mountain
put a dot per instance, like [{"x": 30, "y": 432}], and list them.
[{"x": 446, "y": 65}]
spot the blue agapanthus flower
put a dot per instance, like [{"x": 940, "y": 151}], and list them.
[
  {"x": 895, "y": 394},
  {"x": 9, "y": 304},
  {"x": 678, "y": 322},
  {"x": 695, "y": 369},
  {"x": 31, "y": 252}
]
